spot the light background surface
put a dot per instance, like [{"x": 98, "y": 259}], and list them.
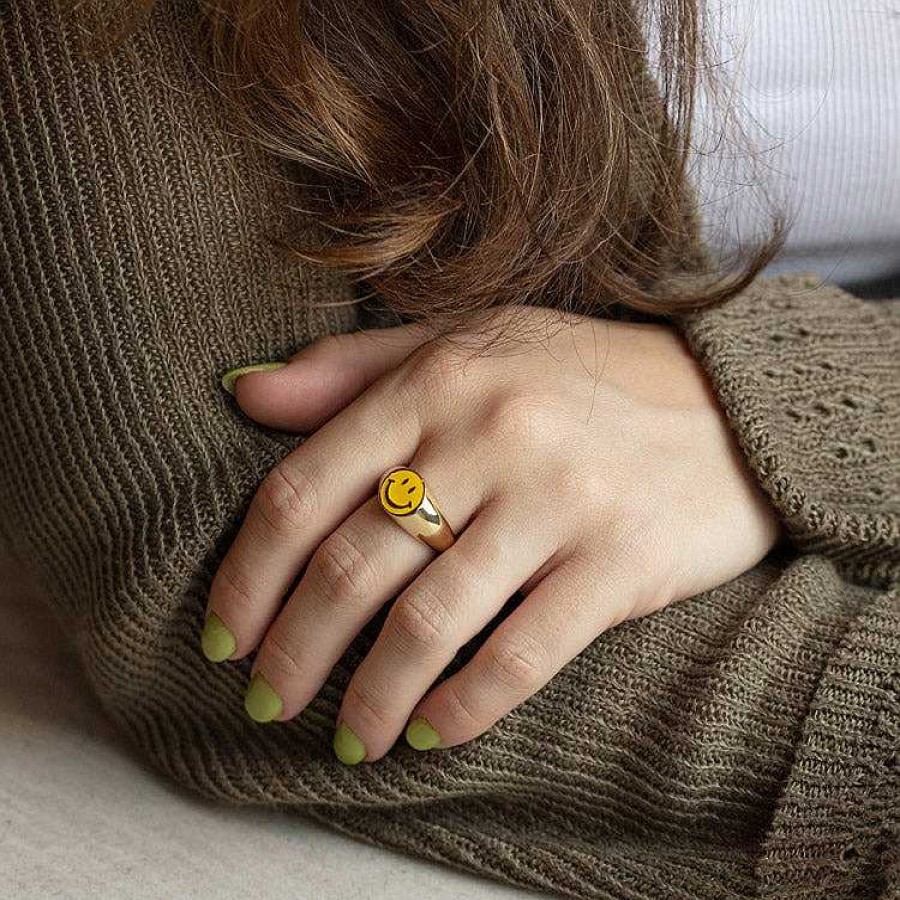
[{"x": 82, "y": 817}]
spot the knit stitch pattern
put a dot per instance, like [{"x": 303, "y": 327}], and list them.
[{"x": 741, "y": 743}]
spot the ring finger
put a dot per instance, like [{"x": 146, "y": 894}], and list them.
[{"x": 452, "y": 600}]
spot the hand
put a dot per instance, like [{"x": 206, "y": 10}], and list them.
[{"x": 588, "y": 465}]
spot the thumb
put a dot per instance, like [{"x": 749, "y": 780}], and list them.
[{"x": 321, "y": 379}]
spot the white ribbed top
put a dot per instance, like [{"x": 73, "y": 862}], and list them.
[{"x": 816, "y": 88}]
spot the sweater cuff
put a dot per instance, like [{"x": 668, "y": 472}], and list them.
[{"x": 809, "y": 379}]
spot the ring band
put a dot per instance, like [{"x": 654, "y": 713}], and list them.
[{"x": 405, "y": 499}]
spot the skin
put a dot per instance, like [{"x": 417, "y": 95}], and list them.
[{"x": 589, "y": 465}]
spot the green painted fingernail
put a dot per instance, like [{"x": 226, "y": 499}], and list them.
[
  {"x": 421, "y": 736},
  {"x": 260, "y": 701},
  {"x": 232, "y": 375},
  {"x": 348, "y": 748},
  {"x": 217, "y": 641}
]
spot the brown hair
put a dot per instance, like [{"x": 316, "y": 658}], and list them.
[{"x": 461, "y": 154}]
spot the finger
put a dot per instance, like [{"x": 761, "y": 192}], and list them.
[
  {"x": 301, "y": 501},
  {"x": 455, "y": 597},
  {"x": 323, "y": 378},
  {"x": 361, "y": 565},
  {"x": 571, "y": 606}
]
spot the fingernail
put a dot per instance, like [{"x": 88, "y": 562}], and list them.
[
  {"x": 232, "y": 375},
  {"x": 217, "y": 641},
  {"x": 348, "y": 748},
  {"x": 421, "y": 736},
  {"x": 260, "y": 701}
]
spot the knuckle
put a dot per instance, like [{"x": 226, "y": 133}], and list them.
[
  {"x": 341, "y": 567},
  {"x": 461, "y": 710},
  {"x": 629, "y": 529},
  {"x": 518, "y": 418},
  {"x": 434, "y": 372},
  {"x": 280, "y": 654},
  {"x": 517, "y": 663},
  {"x": 367, "y": 703},
  {"x": 420, "y": 622},
  {"x": 231, "y": 586},
  {"x": 573, "y": 490},
  {"x": 286, "y": 499}
]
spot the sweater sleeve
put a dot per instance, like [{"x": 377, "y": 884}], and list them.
[{"x": 809, "y": 378}]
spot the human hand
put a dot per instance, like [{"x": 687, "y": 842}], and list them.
[{"x": 592, "y": 469}]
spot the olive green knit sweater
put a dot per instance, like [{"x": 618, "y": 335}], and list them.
[{"x": 740, "y": 743}]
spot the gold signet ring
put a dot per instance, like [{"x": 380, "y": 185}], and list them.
[{"x": 405, "y": 499}]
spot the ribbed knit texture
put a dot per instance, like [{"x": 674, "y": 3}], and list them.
[{"x": 741, "y": 743}]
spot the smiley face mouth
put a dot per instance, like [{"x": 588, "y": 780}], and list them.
[{"x": 389, "y": 500}]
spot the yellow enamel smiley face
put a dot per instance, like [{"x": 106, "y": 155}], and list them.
[{"x": 402, "y": 492}]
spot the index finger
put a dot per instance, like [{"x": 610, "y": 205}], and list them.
[
  {"x": 328, "y": 374},
  {"x": 301, "y": 501}
]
